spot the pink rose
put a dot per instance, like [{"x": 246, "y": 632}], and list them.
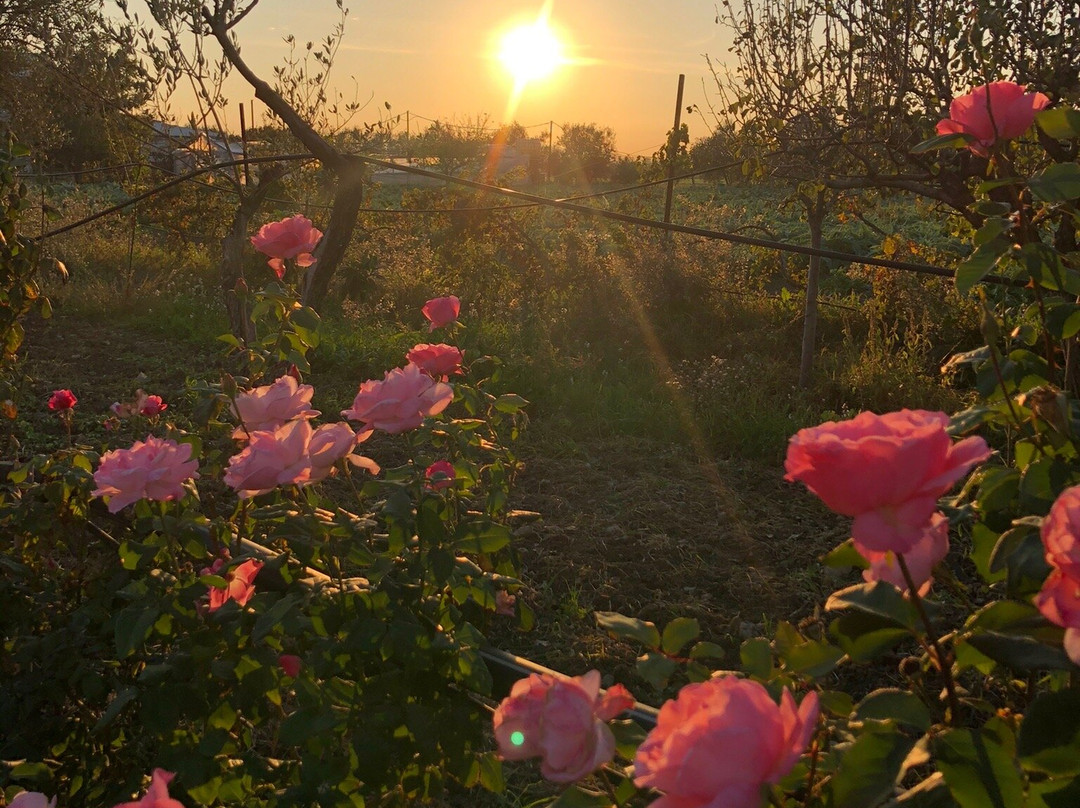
[
  {"x": 333, "y": 442},
  {"x": 273, "y": 405},
  {"x": 62, "y": 400},
  {"x": 718, "y": 742},
  {"x": 441, "y": 311},
  {"x": 562, "y": 721},
  {"x": 152, "y": 405},
  {"x": 290, "y": 664},
  {"x": 999, "y": 110},
  {"x": 1060, "y": 532},
  {"x": 294, "y": 237},
  {"x": 887, "y": 471},
  {"x": 239, "y": 586},
  {"x": 401, "y": 401},
  {"x": 504, "y": 603},
  {"x": 157, "y": 796},
  {"x": 1059, "y": 598},
  {"x": 156, "y": 469},
  {"x": 437, "y": 361},
  {"x": 32, "y": 799},
  {"x": 440, "y": 475},
  {"x": 928, "y": 552},
  {"x": 270, "y": 459}
]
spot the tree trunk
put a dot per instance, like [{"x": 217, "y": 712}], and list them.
[
  {"x": 335, "y": 241},
  {"x": 815, "y": 216}
]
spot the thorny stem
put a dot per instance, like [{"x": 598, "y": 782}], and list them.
[{"x": 943, "y": 662}]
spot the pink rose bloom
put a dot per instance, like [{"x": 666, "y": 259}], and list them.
[
  {"x": 437, "y": 361},
  {"x": 333, "y": 442},
  {"x": 887, "y": 471},
  {"x": 440, "y": 475},
  {"x": 718, "y": 742},
  {"x": 156, "y": 469},
  {"x": 273, "y": 405},
  {"x": 1059, "y": 598},
  {"x": 62, "y": 400},
  {"x": 294, "y": 237},
  {"x": 999, "y": 110},
  {"x": 562, "y": 721},
  {"x": 32, "y": 799},
  {"x": 152, "y": 405},
  {"x": 504, "y": 603},
  {"x": 271, "y": 459},
  {"x": 441, "y": 311},
  {"x": 401, "y": 401},
  {"x": 157, "y": 796},
  {"x": 290, "y": 664},
  {"x": 1060, "y": 532},
  {"x": 240, "y": 583},
  {"x": 927, "y": 553}
]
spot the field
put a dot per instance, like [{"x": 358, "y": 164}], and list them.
[{"x": 658, "y": 418}]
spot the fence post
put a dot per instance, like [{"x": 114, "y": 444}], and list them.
[
  {"x": 815, "y": 215},
  {"x": 671, "y": 157}
]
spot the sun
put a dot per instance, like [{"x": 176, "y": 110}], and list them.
[{"x": 530, "y": 52}]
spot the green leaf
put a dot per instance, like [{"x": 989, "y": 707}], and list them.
[
  {"x": 655, "y": 668},
  {"x": 269, "y": 619},
  {"x": 223, "y": 717},
  {"x": 510, "y": 403},
  {"x": 491, "y": 773},
  {"x": 305, "y": 322},
  {"x": 708, "y": 650},
  {"x": 1049, "y": 739},
  {"x": 1059, "y": 182},
  {"x": 629, "y": 628},
  {"x": 305, "y": 723},
  {"x": 949, "y": 141},
  {"x": 891, "y": 704},
  {"x": 30, "y": 771},
  {"x": 1019, "y": 652},
  {"x": 845, "y": 555},
  {"x": 756, "y": 657},
  {"x": 577, "y": 797},
  {"x": 122, "y": 699},
  {"x": 978, "y": 771},
  {"x": 678, "y": 633},
  {"x": 813, "y": 658},
  {"x": 864, "y": 637},
  {"x": 133, "y": 626},
  {"x": 628, "y": 736},
  {"x": 979, "y": 264},
  {"x": 869, "y": 767},
  {"x": 481, "y": 537},
  {"x": 880, "y": 599},
  {"x": 1060, "y": 123}
]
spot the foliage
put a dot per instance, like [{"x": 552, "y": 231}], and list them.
[{"x": 586, "y": 151}]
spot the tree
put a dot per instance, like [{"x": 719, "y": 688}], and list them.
[
  {"x": 586, "y": 151},
  {"x": 67, "y": 76}
]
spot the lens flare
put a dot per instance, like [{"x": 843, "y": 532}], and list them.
[{"x": 517, "y": 738}]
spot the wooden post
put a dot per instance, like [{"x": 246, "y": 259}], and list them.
[
  {"x": 243, "y": 145},
  {"x": 671, "y": 157},
  {"x": 815, "y": 214}
]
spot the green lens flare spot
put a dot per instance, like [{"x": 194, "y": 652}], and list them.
[{"x": 517, "y": 738}]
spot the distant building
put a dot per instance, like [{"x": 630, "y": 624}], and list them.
[{"x": 180, "y": 149}]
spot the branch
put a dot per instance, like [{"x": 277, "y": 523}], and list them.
[{"x": 312, "y": 140}]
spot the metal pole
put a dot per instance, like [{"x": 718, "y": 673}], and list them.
[{"x": 670, "y": 157}]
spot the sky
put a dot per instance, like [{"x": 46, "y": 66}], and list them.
[{"x": 438, "y": 59}]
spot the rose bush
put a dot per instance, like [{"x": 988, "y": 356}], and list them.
[{"x": 292, "y": 238}]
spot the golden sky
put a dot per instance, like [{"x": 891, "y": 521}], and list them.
[{"x": 438, "y": 59}]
